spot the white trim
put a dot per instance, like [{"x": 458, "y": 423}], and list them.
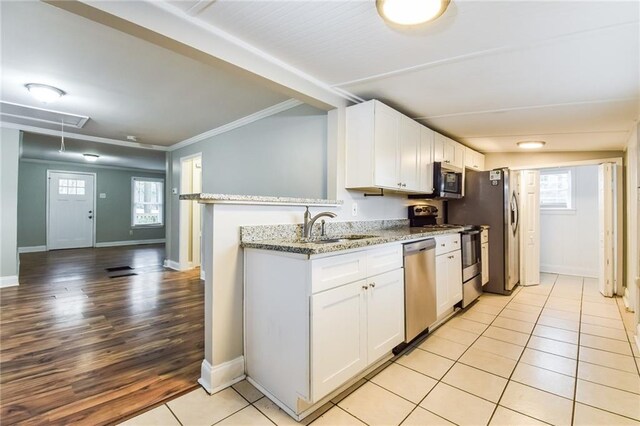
[
  {"x": 267, "y": 112},
  {"x": 97, "y": 166},
  {"x": 177, "y": 266},
  {"x": 81, "y": 122},
  {"x": 79, "y": 136},
  {"x": 162, "y": 202},
  {"x": 9, "y": 281},
  {"x": 569, "y": 270},
  {"x": 95, "y": 197},
  {"x": 214, "y": 378},
  {"x": 596, "y": 161},
  {"x": 32, "y": 249},
  {"x": 129, "y": 243}
]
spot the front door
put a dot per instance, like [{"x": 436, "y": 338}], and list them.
[{"x": 71, "y": 210}]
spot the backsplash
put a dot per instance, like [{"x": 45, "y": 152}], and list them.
[{"x": 293, "y": 232}]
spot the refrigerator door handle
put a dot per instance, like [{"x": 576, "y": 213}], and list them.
[{"x": 515, "y": 217}]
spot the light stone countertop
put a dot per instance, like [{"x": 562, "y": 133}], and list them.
[
  {"x": 205, "y": 198},
  {"x": 381, "y": 236}
]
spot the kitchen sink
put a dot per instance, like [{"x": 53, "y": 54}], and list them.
[{"x": 340, "y": 239}]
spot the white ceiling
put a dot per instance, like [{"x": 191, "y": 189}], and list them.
[
  {"x": 46, "y": 148},
  {"x": 489, "y": 73},
  {"x": 126, "y": 86}
]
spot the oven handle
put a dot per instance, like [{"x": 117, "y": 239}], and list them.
[{"x": 470, "y": 232}]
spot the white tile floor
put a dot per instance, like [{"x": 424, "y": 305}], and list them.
[{"x": 558, "y": 353}]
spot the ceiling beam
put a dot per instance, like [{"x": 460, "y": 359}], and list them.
[{"x": 167, "y": 26}]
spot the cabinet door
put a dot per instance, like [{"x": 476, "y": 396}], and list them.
[
  {"x": 442, "y": 284},
  {"x": 409, "y": 144},
  {"x": 385, "y": 313},
  {"x": 438, "y": 147},
  {"x": 458, "y": 154},
  {"x": 425, "y": 173},
  {"x": 454, "y": 276},
  {"x": 480, "y": 161},
  {"x": 449, "y": 152},
  {"x": 387, "y": 126},
  {"x": 485, "y": 263},
  {"x": 338, "y": 337}
]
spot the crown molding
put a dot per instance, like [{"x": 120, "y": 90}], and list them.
[
  {"x": 51, "y": 132},
  {"x": 264, "y": 113}
]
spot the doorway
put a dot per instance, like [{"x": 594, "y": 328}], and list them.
[
  {"x": 70, "y": 209},
  {"x": 190, "y": 212}
]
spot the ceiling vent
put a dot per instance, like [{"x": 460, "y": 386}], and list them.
[{"x": 40, "y": 115}]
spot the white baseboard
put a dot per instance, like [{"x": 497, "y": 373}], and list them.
[
  {"x": 214, "y": 378},
  {"x": 202, "y": 276},
  {"x": 177, "y": 266},
  {"x": 569, "y": 270},
  {"x": 129, "y": 243},
  {"x": 32, "y": 249},
  {"x": 9, "y": 281}
]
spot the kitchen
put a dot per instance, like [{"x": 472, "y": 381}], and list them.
[{"x": 348, "y": 179}]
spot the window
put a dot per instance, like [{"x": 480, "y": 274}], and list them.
[
  {"x": 556, "y": 189},
  {"x": 147, "y": 205},
  {"x": 71, "y": 186}
]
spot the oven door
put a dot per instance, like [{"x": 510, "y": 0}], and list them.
[{"x": 471, "y": 252}]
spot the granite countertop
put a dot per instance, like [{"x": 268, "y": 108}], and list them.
[
  {"x": 258, "y": 199},
  {"x": 381, "y": 236}
]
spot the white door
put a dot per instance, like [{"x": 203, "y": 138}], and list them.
[
  {"x": 71, "y": 210},
  {"x": 606, "y": 237},
  {"x": 387, "y": 127},
  {"x": 385, "y": 313},
  {"x": 338, "y": 337},
  {"x": 530, "y": 229},
  {"x": 409, "y": 154}
]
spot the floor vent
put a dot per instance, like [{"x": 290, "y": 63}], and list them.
[
  {"x": 123, "y": 275},
  {"x": 119, "y": 268}
]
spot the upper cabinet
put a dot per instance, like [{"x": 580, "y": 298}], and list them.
[
  {"x": 386, "y": 149},
  {"x": 448, "y": 152},
  {"x": 473, "y": 159}
]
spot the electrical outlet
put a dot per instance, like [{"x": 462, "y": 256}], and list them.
[{"x": 354, "y": 209}]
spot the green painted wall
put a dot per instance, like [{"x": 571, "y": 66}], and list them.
[{"x": 113, "y": 214}]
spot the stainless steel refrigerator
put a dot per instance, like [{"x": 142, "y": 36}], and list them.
[{"x": 491, "y": 198}]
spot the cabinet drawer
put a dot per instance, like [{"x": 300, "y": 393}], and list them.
[
  {"x": 447, "y": 243},
  {"x": 384, "y": 259},
  {"x": 484, "y": 236},
  {"x": 334, "y": 271}
]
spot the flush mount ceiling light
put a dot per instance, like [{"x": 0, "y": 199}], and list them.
[
  {"x": 411, "y": 12},
  {"x": 531, "y": 144},
  {"x": 44, "y": 93},
  {"x": 92, "y": 158}
]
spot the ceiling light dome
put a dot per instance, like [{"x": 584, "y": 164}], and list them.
[
  {"x": 44, "y": 93},
  {"x": 411, "y": 12},
  {"x": 91, "y": 157},
  {"x": 531, "y": 144}
]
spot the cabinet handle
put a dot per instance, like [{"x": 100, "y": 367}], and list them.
[
  {"x": 442, "y": 245},
  {"x": 372, "y": 285},
  {"x": 447, "y": 161},
  {"x": 399, "y": 183},
  {"x": 365, "y": 287},
  {"x": 404, "y": 185}
]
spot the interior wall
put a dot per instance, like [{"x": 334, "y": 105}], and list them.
[
  {"x": 569, "y": 240},
  {"x": 113, "y": 213},
  {"x": 9, "y": 154},
  {"x": 524, "y": 159},
  {"x": 281, "y": 155},
  {"x": 632, "y": 237}
]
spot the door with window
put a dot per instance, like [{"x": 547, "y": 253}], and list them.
[{"x": 71, "y": 210}]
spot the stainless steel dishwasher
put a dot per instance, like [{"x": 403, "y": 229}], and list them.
[{"x": 419, "y": 287}]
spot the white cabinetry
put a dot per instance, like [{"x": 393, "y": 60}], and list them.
[
  {"x": 448, "y": 273},
  {"x": 384, "y": 149},
  {"x": 311, "y": 325},
  {"x": 448, "y": 151},
  {"x": 473, "y": 159},
  {"x": 484, "y": 255}
]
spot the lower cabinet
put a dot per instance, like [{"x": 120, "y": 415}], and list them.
[
  {"x": 448, "y": 281},
  {"x": 312, "y": 325},
  {"x": 485, "y": 263}
]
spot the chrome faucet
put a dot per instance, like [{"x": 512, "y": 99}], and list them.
[{"x": 309, "y": 221}]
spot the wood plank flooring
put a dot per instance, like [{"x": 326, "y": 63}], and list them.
[{"x": 78, "y": 347}]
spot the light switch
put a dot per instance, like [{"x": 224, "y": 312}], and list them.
[{"x": 103, "y": 195}]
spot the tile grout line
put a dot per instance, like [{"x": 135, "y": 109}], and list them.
[
  {"x": 173, "y": 414},
  {"x": 575, "y": 385}
]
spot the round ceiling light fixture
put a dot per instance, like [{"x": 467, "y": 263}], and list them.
[
  {"x": 44, "y": 93},
  {"x": 92, "y": 158},
  {"x": 411, "y": 12},
  {"x": 531, "y": 144}
]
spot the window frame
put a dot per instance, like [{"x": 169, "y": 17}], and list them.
[
  {"x": 133, "y": 202},
  {"x": 571, "y": 208}
]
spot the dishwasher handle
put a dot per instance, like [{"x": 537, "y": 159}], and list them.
[{"x": 418, "y": 246}]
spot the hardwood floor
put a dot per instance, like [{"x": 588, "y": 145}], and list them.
[{"x": 78, "y": 347}]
